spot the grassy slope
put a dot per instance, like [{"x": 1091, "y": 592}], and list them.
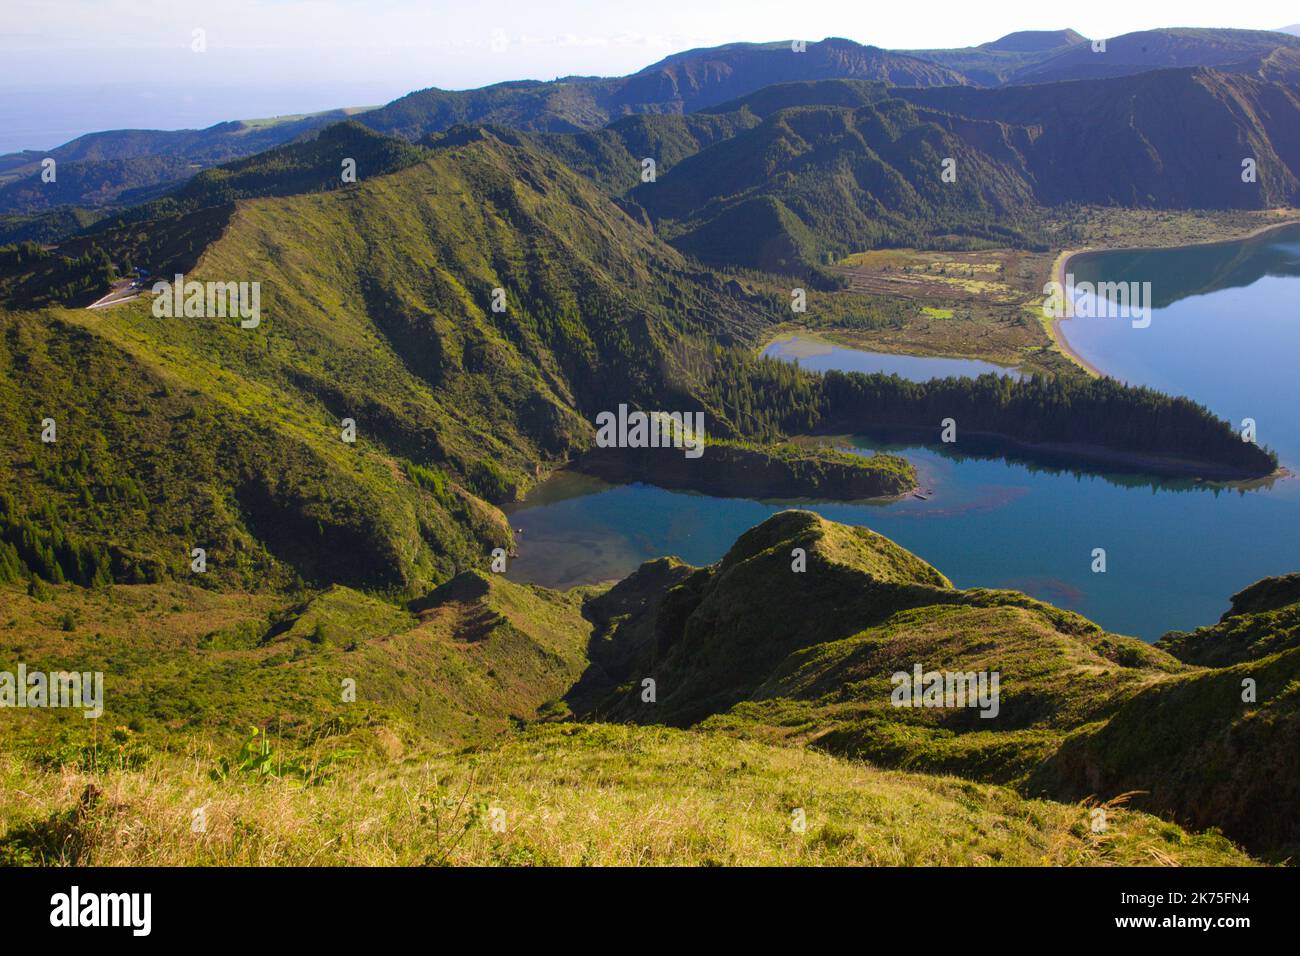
[
  {"x": 816, "y": 182},
  {"x": 387, "y": 328},
  {"x": 765, "y": 662},
  {"x": 575, "y": 795},
  {"x": 182, "y": 662},
  {"x": 1264, "y": 619},
  {"x": 764, "y": 651},
  {"x": 375, "y": 304},
  {"x": 752, "y": 649},
  {"x": 1194, "y": 749},
  {"x": 1213, "y": 747}
]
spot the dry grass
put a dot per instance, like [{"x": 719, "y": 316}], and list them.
[{"x": 570, "y": 795}]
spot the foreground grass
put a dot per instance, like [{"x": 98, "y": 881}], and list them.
[{"x": 568, "y": 795}]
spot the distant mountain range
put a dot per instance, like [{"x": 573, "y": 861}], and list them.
[
  {"x": 1233, "y": 50},
  {"x": 123, "y": 167},
  {"x": 799, "y": 173},
  {"x": 796, "y": 175}
]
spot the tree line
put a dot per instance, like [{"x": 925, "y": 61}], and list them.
[{"x": 766, "y": 399}]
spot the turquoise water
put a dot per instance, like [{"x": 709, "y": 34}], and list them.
[{"x": 1226, "y": 331}]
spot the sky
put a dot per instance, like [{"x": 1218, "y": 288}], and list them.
[{"x": 72, "y": 66}]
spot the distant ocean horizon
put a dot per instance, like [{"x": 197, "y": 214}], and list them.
[{"x": 46, "y": 118}]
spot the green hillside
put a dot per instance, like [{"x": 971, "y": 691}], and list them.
[
  {"x": 810, "y": 652},
  {"x": 783, "y": 677},
  {"x": 376, "y": 307},
  {"x": 1201, "y": 748},
  {"x": 798, "y": 175},
  {"x": 816, "y": 183},
  {"x": 1264, "y": 619},
  {"x": 1122, "y": 141},
  {"x": 376, "y": 301}
]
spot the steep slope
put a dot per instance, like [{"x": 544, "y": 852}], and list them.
[
  {"x": 1214, "y": 748},
  {"x": 768, "y": 647},
  {"x": 1264, "y": 619},
  {"x": 376, "y": 306},
  {"x": 765, "y": 648},
  {"x": 800, "y": 174},
  {"x": 1280, "y": 66},
  {"x": 613, "y": 156},
  {"x": 1123, "y": 141},
  {"x": 314, "y": 165},
  {"x": 812, "y": 183},
  {"x": 756, "y": 648}
]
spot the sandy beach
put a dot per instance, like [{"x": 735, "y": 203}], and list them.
[{"x": 1061, "y": 267}]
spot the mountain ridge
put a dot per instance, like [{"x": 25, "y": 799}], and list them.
[{"x": 124, "y": 166}]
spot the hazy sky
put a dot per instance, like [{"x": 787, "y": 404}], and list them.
[{"x": 70, "y": 66}]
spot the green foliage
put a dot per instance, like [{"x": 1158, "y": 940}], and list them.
[
  {"x": 818, "y": 180},
  {"x": 431, "y": 480},
  {"x": 491, "y": 482},
  {"x": 1048, "y": 410},
  {"x": 122, "y": 750},
  {"x": 44, "y": 547},
  {"x": 47, "y": 227},
  {"x": 293, "y": 169},
  {"x": 31, "y": 276},
  {"x": 256, "y": 759},
  {"x": 1264, "y": 619}
]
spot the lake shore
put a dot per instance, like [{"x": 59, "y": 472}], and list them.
[
  {"x": 799, "y": 343},
  {"x": 793, "y": 471},
  {"x": 1079, "y": 456},
  {"x": 1061, "y": 267}
]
